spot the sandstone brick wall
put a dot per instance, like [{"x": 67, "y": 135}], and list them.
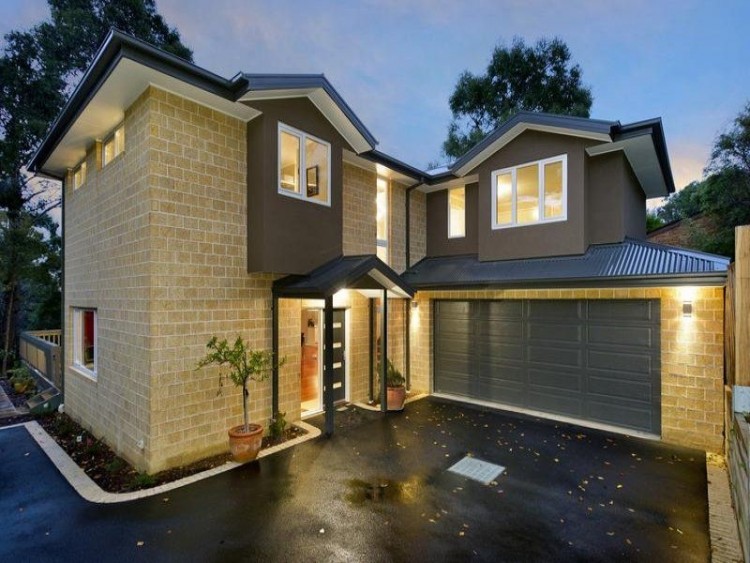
[
  {"x": 360, "y": 190},
  {"x": 107, "y": 262},
  {"x": 692, "y": 357},
  {"x": 418, "y": 227}
]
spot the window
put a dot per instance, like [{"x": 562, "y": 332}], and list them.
[
  {"x": 113, "y": 146},
  {"x": 79, "y": 175},
  {"x": 84, "y": 340},
  {"x": 530, "y": 193},
  {"x": 304, "y": 166},
  {"x": 381, "y": 220},
  {"x": 457, "y": 212}
]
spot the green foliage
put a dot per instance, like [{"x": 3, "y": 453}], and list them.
[
  {"x": 116, "y": 465},
  {"x": 242, "y": 364},
  {"x": 723, "y": 195},
  {"x": 22, "y": 380},
  {"x": 653, "y": 221},
  {"x": 277, "y": 425},
  {"x": 142, "y": 481},
  {"x": 393, "y": 377},
  {"x": 520, "y": 77}
]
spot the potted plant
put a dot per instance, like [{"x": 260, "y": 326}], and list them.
[
  {"x": 395, "y": 388},
  {"x": 242, "y": 365}
]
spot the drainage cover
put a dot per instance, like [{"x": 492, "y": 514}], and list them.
[{"x": 476, "y": 469}]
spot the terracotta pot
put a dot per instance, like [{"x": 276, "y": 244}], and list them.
[
  {"x": 20, "y": 387},
  {"x": 396, "y": 398},
  {"x": 245, "y": 446}
]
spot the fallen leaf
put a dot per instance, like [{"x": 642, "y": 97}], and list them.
[{"x": 139, "y": 543}]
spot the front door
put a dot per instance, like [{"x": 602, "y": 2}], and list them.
[{"x": 339, "y": 355}]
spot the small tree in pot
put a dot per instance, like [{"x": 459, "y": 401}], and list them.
[
  {"x": 243, "y": 365},
  {"x": 394, "y": 382}
]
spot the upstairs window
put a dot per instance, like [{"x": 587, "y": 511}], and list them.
[
  {"x": 79, "y": 175},
  {"x": 531, "y": 193},
  {"x": 113, "y": 146},
  {"x": 457, "y": 212},
  {"x": 381, "y": 220},
  {"x": 304, "y": 166},
  {"x": 84, "y": 340}
]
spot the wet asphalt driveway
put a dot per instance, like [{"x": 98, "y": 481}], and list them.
[{"x": 568, "y": 494}]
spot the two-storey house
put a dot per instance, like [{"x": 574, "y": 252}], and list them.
[{"x": 516, "y": 278}]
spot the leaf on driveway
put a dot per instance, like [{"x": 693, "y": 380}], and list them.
[{"x": 140, "y": 543}]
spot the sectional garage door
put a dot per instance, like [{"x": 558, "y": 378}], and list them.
[{"x": 593, "y": 360}]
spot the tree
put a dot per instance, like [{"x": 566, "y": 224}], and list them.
[
  {"x": 653, "y": 221},
  {"x": 683, "y": 204},
  {"x": 38, "y": 70},
  {"x": 520, "y": 77}
]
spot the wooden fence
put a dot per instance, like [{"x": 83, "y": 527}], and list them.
[{"x": 41, "y": 350}]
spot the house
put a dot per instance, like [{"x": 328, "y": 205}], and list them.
[{"x": 518, "y": 277}]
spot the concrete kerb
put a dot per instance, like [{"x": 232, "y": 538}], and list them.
[{"x": 91, "y": 492}]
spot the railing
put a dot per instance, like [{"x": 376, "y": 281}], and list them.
[{"x": 41, "y": 350}]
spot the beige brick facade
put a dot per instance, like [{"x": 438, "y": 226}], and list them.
[
  {"x": 692, "y": 353},
  {"x": 156, "y": 241}
]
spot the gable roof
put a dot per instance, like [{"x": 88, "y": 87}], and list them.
[
  {"x": 365, "y": 272},
  {"x": 642, "y": 142},
  {"x": 124, "y": 66},
  {"x": 629, "y": 263}
]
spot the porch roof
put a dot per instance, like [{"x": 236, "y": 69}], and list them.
[{"x": 365, "y": 273}]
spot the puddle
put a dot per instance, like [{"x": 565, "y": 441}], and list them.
[{"x": 384, "y": 491}]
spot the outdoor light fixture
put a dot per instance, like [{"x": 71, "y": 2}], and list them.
[
  {"x": 415, "y": 304},
  {"x": 687, "y": 309}
]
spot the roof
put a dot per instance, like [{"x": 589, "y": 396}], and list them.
[
  {"x": 630, "y": 262},
  {"x": 124, "y": 66},
  {"x": 365, "y": 272}
]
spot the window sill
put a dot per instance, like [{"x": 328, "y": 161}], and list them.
[
  {"x": 300, "y": 197},
  {"x": 85, "y": 373},
  {"x": 535, "y": 224}
]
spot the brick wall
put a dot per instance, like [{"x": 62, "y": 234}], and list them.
[
  {"x": 360, "y": 189},
  {"x": 418, "y": 227},
  {"x": 692, "y": 353},
  {"x": 107, "y": 263}
]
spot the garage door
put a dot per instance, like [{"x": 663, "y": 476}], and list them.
[{"x": 593, "y": 360}]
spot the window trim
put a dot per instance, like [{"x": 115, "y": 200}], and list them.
[
  {"x": 451, "y": 237},
  {"x": 302, "y": 194},
  {"x": 111, "y": 137},
  {"x": 77, "y": 334},
  {"x": 80, "y": 169},
  {"x": 512, "y": 170}
]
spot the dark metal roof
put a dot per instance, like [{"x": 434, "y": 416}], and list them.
[
  {"x": 629, "y": 262},
  {"x": 537, "y": 118},
  {"x": 261, "y": 82},
  {"x": 353, "y": 272}
]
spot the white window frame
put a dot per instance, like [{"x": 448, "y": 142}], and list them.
[
  {"x": 450, "y": 214},
  {"x": 302, "y": 165},
  {"x": 512, "y": 171},
  {"x": 118, "y": 147},
  {"x": 78, "y": 364},
  {"x": 79, "y": 175}
]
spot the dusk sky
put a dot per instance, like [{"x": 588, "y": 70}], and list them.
[{"x": 396, "y": 61}]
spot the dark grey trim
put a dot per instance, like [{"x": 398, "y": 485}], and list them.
[
  {"x": 116, "y": 46},
  {"x": 263, "y": 82},
  {"x": 654, "y": 128},
  {"x": 535, "y": 118},
  {"x": 394, "y": 164}
]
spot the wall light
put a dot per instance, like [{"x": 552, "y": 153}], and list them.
[
  {"x": 415, "y": 304},
  {"x": 687, "y": 309}
]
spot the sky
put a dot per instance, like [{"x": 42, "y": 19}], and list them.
[{"x": 396, "y": 62}]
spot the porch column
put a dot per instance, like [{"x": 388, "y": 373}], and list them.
[
  {"x": 328, "y": 364},
  {"x": 275, "y": 360},
  {"x": 407, "y": 343},
  {"x": 372, "y": 350},
  {"x": 384, "y": 354}
]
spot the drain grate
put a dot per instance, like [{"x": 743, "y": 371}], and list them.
[{"x": 476, "y": 469}]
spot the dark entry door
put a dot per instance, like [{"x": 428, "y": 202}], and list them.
[
  {"x": 593, "y": 360},
  {"x": 339, "y": 355}
]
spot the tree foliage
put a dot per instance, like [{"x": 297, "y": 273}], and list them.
[
  {"x": 724, "y": 193},
  {"x": 520, "y": 77},
  {"x": 38, "y": 70}
]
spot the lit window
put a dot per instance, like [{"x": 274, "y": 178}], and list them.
[
  {"x": 381, "y": 221},
  {"x": 84, "y": 340},
  {"x": 304, "y": 166},
  {"x": 113, "y": 146},
  {"x": 79, "y": 176},
  {"x": 530, "y": 193},
  {"x": 457, "y": 212}
]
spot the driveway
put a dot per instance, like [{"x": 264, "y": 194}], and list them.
[{"x": 568, "y": 494}]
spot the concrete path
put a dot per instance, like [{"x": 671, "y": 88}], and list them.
[
  {"x": 379, "y": 490},
  {"x": 6, "y": 406},
  {"x": 725, "y": 538}
]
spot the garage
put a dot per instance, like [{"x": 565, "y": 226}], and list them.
[{"x": 594, "y": 360}]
